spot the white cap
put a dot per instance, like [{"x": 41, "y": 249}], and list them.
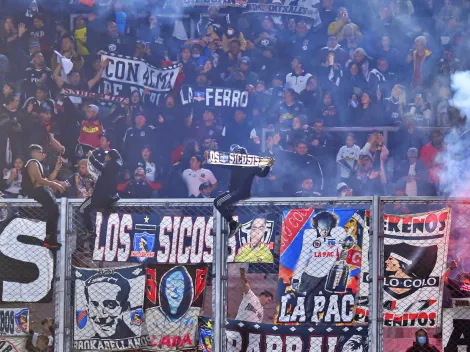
[
  {"x": 340, "y": 186},
  {"x": 94, "y": 108}
]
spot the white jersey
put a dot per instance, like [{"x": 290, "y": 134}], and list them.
[
  {"x": 349, "y": 155},
  {"x": 250, "y": 309},
  {"x": 319, "y": 254},
  {"x": 15, "y": 186},
  {"x": 194, "y": 179}
]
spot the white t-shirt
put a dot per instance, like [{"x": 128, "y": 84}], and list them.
[
  {"x": 349, "y": 155},
  {"x": 15, "y": 186},
  {"x": 194, "y": 179},
  {"x": 250, "y": 309},
  {"x": 150, "y": 171}
]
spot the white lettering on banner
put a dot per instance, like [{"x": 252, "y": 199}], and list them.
[
  {"x": 179, "y": 240},
  {"x": 273, "y": 342},
  {"x": 40, "y": 257},
  {"x": 294, "y": 344},
  {"x": 329, "y": 308},
  {"x": 234, "y": 341},
  {"x": 130, "y": 74},
  {"x": 216, "y": 97}
]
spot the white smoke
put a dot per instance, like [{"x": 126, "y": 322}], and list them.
[{"x": 455, "y": 176}]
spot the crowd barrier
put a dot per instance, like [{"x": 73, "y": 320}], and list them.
[{"x": 370, "y": 284}]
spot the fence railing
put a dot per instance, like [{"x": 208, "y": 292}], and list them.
[{"x": 388, "y": 309}]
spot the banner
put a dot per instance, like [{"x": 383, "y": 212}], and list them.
[
  {"x": 362, "y": 309},
  {"x": 14, "y": 322},
  {"x": 415, "y": 258},
  {"x": 320, "y": 266},
  {"x": 109, "y": 308},
  {"x": 179, "y": 239},
  {"x": 235, "y": 159},
  {"x": 27, "y": 267},
  {"x": 95, "y": 96},
  {"x": 284, "y": 10},
  {"x": 456, "y": 329},
  {"x": 215, "y": 97},
  {"x": 220, "y": 3},
  {"x": 248, "y": 337},
  {"x": 124, "y": 74},
  {"x": 13, "y": 344},
  {"x": 205, "y": 335},
  {"x": 173, "y": 303}
]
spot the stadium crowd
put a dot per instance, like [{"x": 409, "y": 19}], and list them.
[{"x": 358, "y": 64}]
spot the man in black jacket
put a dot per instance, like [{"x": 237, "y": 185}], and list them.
[
  {"x": 241, "y": 179},
  {"x": 105, "y": 193}
]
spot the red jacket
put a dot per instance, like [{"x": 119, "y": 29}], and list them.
[
  {"x": 428, "y": 156},
  {"x": 90, "y": 132}
]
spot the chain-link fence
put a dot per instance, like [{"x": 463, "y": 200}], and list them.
[
  {"x": 147, "y": 256},
  {"x": 124, "y": 272},
  {"x": 28, "y": 273},
  {"x": 424, "y": 258}
]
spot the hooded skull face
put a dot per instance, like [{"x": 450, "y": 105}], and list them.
[
  {"x": 107, "y": 301},
  {"x": 324, "y": 222},
  {"x": 176, "y": 292}
]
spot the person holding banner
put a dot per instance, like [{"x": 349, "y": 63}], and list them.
[
  {"x": 105, "y": 193},
  {"x": 241, "y": 180}
]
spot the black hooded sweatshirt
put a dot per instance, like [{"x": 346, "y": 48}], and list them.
[{"x": 106, "y": 186}]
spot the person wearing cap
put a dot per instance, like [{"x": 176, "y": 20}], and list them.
[
  {"x": 205, "y": 190},
  {"x": 40, "y": 98},
  {"x": 421, "y": 343},
  {"x": 306, "y": 189},
  {"x": 297, "y": 79},
  {"x": 276, "y": 92},
  {"x": 414, "y": 173},
  {"x": 105, "y": 193},
  {"x": 36, "y": 74},
  {"x": 90, "y": 131},
  {"x": 195, "y": 176},
  {"x": 139, "y": 187}
]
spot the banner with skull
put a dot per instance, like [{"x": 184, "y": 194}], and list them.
[
  {"x": 173, "y": 302},
  {"x": 109, "y": 308},
  {"x": 320, "y": 265},
  {"x": 415, "y": 259}
]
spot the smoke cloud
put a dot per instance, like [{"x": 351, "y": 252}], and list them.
[{"x": 455, "y": 176}]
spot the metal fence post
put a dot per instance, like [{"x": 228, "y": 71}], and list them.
[
  {"x": 61, "y": 263},
  {"x": 375, "y": 333},
  {"x": 218, "y": 310}
]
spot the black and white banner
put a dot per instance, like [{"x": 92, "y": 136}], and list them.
[
  {"x": 124, "y": 74},
  {"x": 456, "y": 329},
  {"x": 14, "y": 322},
  {"x": 415, "y": 258},
  {"x": 173, "y": 302},
  {"x": 13, "y": 343},
  {"x": 251, "y": 337},
  {"x": 67, "y": 92},
  {"x": 235, "y": 159},
  {"x": 220, "y": 3},
  {"x": 216, "y": 97},
  {"x": 179, "y": 239},
  {"x": 109, "y": 308},
  {"x": 284, "y": 10},
  {"x": 26, "y": 267}
]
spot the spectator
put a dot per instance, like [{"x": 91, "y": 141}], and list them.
[
  {"x": 420, "y": 62},
  {"x": 329, "y": 110},
  {"x": 407, "y": 136},
  {"x": 37, "y": 74},
  {"x": 38, "y": 100},
  {"x": 10, "y": 131},
  {"x": 422, "y": 343},
  {"x": 67, "y": 50},
  {"x": 208, "y": 127},
  {"x": 139, "y": 187},
  {"x": 195, "y": 176},
  {"x": 337, "y": 28},
  {"x": 429, "y": 156},
  {"x": 347, "y": 157},
  {"x": 311, "y": 96},
  {"x": 151, "y": 173},
  {"x": 80, "y": 184},
  {"x": 369, "y": 180},
  {"x": 306, "y": 189},
  {"x": 381, "y": 80},
  {"x": 343, "y": 190},
  {"x": 414, "y": 173},
  {"x": 395, "y": 106},
  {"x": 136, "y": 138},
  {"x": 74, "y": 79},
  {"x": 332, "y": 53},
  {"x": 40, "y": 32},
  {"x": 12, "y": 179},
  {"x": 297, "y": 79},
  {"x": 238, "y": 130},
  {"x": 9, "y": 89},
  {"x": 91, "y": 130},
  {"x": 267, "y": 36},
  {"x": 81, "y": 36},
  {"x": 367, "y": 113}
]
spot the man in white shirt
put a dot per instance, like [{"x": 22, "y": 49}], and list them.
[
  {"x": 252, "y": 307},
  {"x": 297, "y": 79},
  {"x": 195, "y": 176}
]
